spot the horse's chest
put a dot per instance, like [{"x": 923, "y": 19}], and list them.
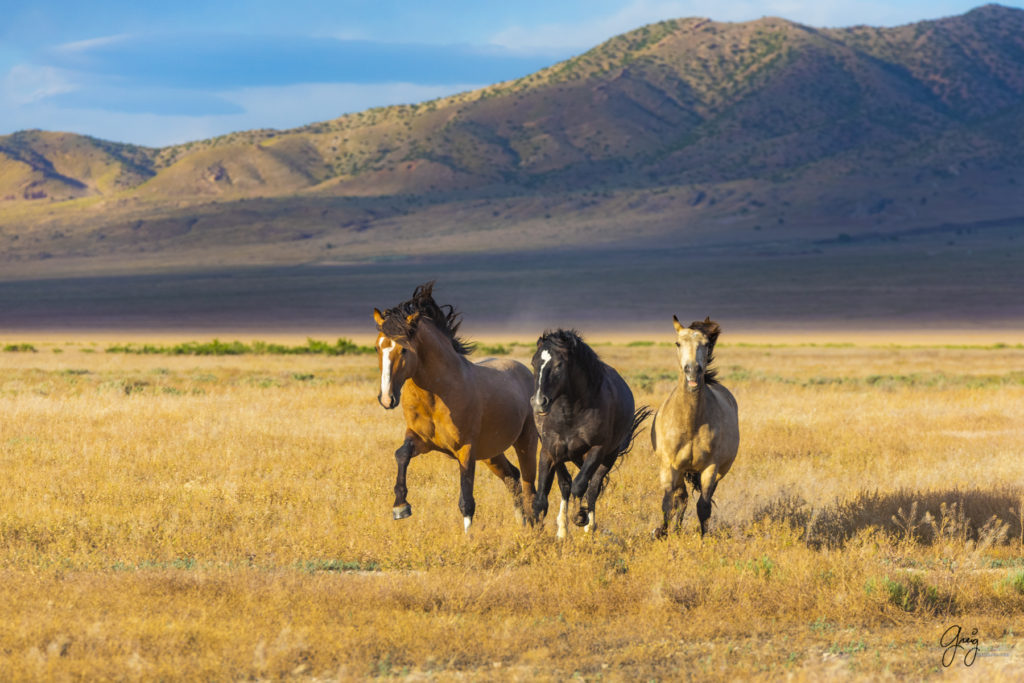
[
  {"x": 432, "y": 420},
  {"x": 563, "y": 440},
  {"x": 693, "y": 451}
]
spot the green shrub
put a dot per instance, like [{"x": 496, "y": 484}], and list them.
[{"x": 236, "y": 348}]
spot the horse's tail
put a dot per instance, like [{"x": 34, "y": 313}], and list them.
[
  {"x": 641, "y": 414},
  {"x": 694, "y": 479}
]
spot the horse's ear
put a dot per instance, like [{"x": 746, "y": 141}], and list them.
[
  {"x": 412, "y": 319},
  {"x": 378, "y": 317},
  {"x": 676, "y": 324}
]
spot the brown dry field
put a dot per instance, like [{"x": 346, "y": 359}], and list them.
[{"x": 169, "y": 517}]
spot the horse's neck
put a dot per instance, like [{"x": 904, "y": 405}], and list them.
[
  {"x": 690, "y": 404},
  {"x": 582, "y": 392},
  {"x": 439, "y": 366}
]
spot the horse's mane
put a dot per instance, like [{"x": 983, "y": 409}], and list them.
[
  {"x": 570, "y": 344},
  {"x": 710, "y": 329},
  {"x": 396, "y": 320}
]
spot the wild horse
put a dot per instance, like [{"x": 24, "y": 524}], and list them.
[
  {"x": 696, "y": 431},
  {"x": 585, "y": 414},
  {"x": 469, "y": 411}
]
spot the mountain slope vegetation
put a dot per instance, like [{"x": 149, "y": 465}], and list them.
[{"x": 685, "y": 130}]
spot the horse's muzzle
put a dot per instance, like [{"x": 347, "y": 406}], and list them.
[
  {"x": 692, "y": 373},
  {"x": 542, "y": 405},
  {"x": 392, "y": 401}
]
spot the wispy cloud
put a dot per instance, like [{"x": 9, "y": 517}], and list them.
[
  {"x": 216, "y": 61},
  {"x": 27, "y": 83},
  {"x": 92, "y": 43},
  {"x": 234, "y": 81}
]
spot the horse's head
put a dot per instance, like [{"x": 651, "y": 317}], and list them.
[
  {"x": 694, "y": 345},
  {"x": 553, "y": 368},
  {"x": 396, "y": 357}
]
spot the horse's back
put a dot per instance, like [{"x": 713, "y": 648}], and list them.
[
  {"x": 504, "y": 386},
  {"x": 625, "y": 404},
  {"x": 505, "y": 371}
]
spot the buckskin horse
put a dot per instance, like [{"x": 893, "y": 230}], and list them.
[
  {"x": 696, "y": 430},
  {"x": 585, "y": 414},
  {"x": 468, "y": 411}
]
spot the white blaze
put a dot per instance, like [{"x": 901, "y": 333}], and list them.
[
  {"x": 385, "y": 370},
  {"x": 546, "y": 358}
]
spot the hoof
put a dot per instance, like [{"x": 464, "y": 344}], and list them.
[
  {"x": 659, "y": 533},
  {"x": 401, "y": 511},
  {"x": 581, "y": 518}
]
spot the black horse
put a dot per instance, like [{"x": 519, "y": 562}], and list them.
[{"x": 585, "y": 414}]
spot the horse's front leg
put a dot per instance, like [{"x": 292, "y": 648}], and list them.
[
  {"x": 564, "y": 485},
  {"x": 467, "y": 471},
  {"x": 673, "y": 502},
  {"x": 545, "y": 477},
  {"x": 410, "y": 448},
  {"x": 582, "y": 482}
]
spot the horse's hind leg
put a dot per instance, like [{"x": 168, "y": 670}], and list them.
[
  {"x": 410, "y": 448},
  {"x": 508, "y": 474},
  {"x": 581, "y": 483},
  {"x": 593, "y": 491},
  {"x": 708, "y": 482},
  {"x": 526, "y": 454}
]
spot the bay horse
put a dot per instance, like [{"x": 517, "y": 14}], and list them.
[
  {"x": 468, "y": 411},
  {"x": 696, "y": 430},
  {"x": 585, "y": 414}
]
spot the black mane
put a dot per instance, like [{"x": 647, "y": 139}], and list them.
[
  {"x": 446, "y": 318},
  {"x": 570, "y": 345}
]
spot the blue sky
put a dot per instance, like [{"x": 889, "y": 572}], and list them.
[{"x": 162, "y": 73}]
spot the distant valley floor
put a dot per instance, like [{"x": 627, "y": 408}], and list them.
[{"x": 932, "y": 283}]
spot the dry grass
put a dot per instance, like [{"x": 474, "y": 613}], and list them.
[{"x": 228, "y": 518}]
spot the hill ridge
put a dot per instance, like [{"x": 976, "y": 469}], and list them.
[{"x": 730, "y": 124}]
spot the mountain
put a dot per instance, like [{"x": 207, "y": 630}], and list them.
[{"x": 685, "y": 131}]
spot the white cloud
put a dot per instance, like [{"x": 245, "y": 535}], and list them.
[
  {"x": 92, "y": 43},
  {"x": 25, "y": 84}
]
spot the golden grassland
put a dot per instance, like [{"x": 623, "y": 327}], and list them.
[{"x": 229, "y": 518}]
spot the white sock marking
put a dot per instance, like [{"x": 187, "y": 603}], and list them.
[
  {"x": 563, "y": 518},
  {"x": 590, "y": 523},
  {"x": 466, "y": 522}
]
